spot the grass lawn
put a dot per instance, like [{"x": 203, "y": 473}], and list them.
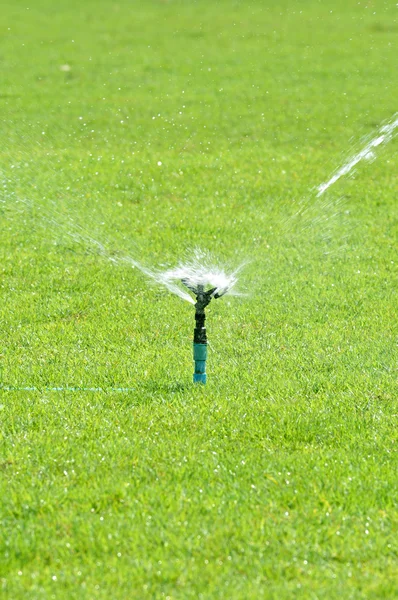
[{"x": 156, "y": 127}]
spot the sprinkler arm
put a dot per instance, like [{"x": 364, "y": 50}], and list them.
[{"x": 203, "y": 298}]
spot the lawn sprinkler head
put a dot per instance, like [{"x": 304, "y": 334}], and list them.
[
  {"x": 203, "y": 299},
  {"x": 205, "y": 281}
]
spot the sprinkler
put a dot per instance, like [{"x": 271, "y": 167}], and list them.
[
  {"x": 204, "y": 281},
  {"x": 203, "y": 299}
]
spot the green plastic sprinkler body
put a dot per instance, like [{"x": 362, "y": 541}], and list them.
[
  {"x": 203, "y": 298},
  {"x": 199, "y": 335}
]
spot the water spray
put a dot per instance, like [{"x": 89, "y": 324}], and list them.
[{"x": 387, "y": 131}]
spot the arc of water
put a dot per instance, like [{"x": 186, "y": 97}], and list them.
[{"x": 385, "y": 134}]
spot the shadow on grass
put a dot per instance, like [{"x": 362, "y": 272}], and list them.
[{"x": 165, "y": 387}]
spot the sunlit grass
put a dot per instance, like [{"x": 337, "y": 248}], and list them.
[{"x": 154, "y": 129}]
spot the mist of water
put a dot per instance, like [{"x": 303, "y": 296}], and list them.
[{"x": 198, "y": 267}]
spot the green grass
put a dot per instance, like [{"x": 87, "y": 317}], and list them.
[{"x": 279, "y": 478}]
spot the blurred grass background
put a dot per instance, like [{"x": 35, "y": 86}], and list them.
[{"x": 155, "y": 128}]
